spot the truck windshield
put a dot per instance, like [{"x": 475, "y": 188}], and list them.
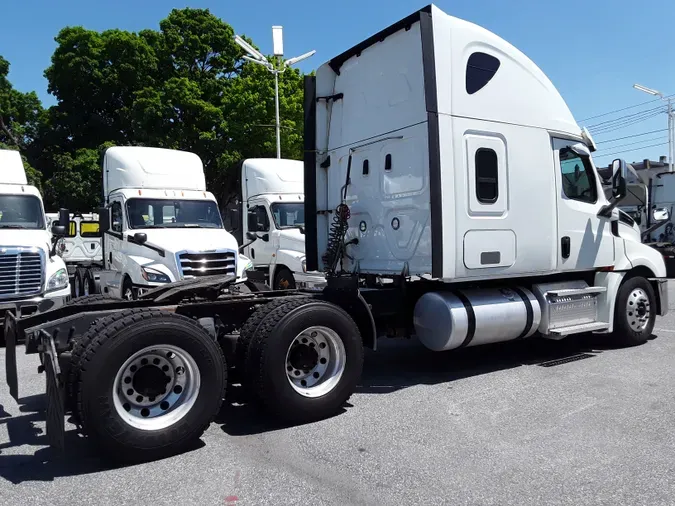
[
  {"x": 288, "y": 215},
  {"x": 160, "y": 213},
  {"x": 21, "y": 212}
]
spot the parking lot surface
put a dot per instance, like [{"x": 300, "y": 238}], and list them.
[{"x": 541, "y": 422}]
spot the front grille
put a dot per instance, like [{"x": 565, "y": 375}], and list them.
[
  {"x": 208, "y": 264},
  {"x": 21, "y": 272}
]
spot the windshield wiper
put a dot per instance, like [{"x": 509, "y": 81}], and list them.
[{"x": 16, "y": 227}]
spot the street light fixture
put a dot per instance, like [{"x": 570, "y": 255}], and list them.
[
  {"x": 671, "y": 121},
  {"x": 255, "y": 56}
]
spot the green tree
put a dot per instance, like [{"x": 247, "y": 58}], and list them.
[
  {"x": 184, "y": 86},
  {"x": 20, "y": 116}
]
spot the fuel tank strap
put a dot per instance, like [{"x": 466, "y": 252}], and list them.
[
  {"x": 471, "y": 317},
  {"x": 528, "y": 310}
]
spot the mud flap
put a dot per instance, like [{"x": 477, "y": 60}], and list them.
[
  {"x": 10, "y": 355},
  {"x": 56, "y": 411}
]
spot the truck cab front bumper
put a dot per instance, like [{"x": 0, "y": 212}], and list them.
[{"x": 39, "y": 304}]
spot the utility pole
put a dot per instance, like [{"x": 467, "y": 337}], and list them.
[
  {"x": 671, "y": 122},
  {"x": 255, "y": 56}
]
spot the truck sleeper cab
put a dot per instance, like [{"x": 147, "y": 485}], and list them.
[{"x": 449, "y": 196}]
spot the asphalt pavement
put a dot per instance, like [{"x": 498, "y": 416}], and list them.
[{"x": 530, "y": 423}]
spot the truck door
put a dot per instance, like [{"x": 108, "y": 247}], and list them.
[
  {"x": 262, "y": 250},
  {"x": 585, "y": 240},
  {"x": 114, "y": 238}
]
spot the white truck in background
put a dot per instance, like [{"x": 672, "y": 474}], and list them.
[
  {"x": 268, "y": 219},
  {"x": 449, "y": 195},
  {"x": 80, "y": 249},
  {"x": 649, "y": 206},
  {"x": 159, "y": 225},
  {"x": 32, "y": 277}
]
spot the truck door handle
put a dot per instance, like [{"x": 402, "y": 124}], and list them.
[{"x": 565, "y": 247}]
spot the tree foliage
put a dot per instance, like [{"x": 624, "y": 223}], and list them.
[{"x": 184, "y": 86}]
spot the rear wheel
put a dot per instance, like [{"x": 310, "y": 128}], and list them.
[
  {"x": 78, "y": 283},
  {"x": 634, "y": 312},
  {"x": 304, "y": 360},
  {"x": 88, "y": 283},
  {"x": 150, "y": 383}
]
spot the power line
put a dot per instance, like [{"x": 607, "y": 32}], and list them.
[
  {"x": 633, "y": 149},
  {"x": 634, "y": 143},
  {"x": 624, "y": 124},
  {"x": 609, "y": 121},
  {"x": 623, "y": 109},
  {"x": 631, "y": 136}
]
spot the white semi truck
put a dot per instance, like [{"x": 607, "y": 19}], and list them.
[
  {"x": 449, "y": 195},
  {"x": 271, "y": 204},
  {"x": 161, "y": 225},
  {"x": 32, "y": 277}
]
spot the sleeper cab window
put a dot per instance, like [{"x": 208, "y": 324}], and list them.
[
  {"x": 578, "y": 180},
  {"x": 480, "y": 69},
  {"x": 487, "y": 176}
]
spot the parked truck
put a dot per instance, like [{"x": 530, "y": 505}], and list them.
[
  {"x": 80, "y": 249},
  {"x": 267, "y": 218},
  {"x": 32, "y": 277},
  {"x": 449, "y": 195},
  {"x": 163, "y": 226},
  {"x": 649, "y": 206}
]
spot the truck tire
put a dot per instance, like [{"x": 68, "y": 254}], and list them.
[
  {"x": 127, "y": 291},
  {"x": 88, "y": 283},
  {"x": 150, "y": 383},
  {"x": 284, "y": 280},
  {"x": 634, "y": 312},
  {"x": 78, "y": 286},
  {"x": 304, "y": 360},
  {"x": 249, "y": 328},
  {"x": 79, "y": 346}
]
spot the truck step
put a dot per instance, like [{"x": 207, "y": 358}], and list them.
[
  {"x": 573, "y": 292},
  {"x": 561, "y": 332}
]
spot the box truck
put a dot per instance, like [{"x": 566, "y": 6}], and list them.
[
  {"x": 32, "y": 277},
  {"x": 449, "y": 195},
  {"x": 268, "y": 219}
]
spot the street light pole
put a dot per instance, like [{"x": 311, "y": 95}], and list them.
[
  {"x": 276, "y": 106},
  {"x": 255, "y": 56},
  {"x": 671, "y": 123}
]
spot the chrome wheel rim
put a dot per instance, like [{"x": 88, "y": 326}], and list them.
[
  {"x": 315, "y": 361},
  {"x": 638, "y": 310},
  {"x": 156, "y": 387},
  {"x": 128, "y": 294}
]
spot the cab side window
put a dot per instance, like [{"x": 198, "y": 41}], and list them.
[
  {"x": 116, "y": 217},
  {"x": 262, "y": 218},
  {"x": 578, "y": 179}
]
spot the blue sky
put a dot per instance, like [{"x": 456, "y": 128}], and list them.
[{"x": 592, "y": 50}]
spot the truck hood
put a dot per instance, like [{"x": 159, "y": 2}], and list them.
[
  {"x": 26, "y": 238},
  {"x": 291, "y": 239},
  {"x": 174, "y": 240}
]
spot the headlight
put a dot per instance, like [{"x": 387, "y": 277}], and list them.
[
  {"x": 58, "y": 280},
  {"x": 304, "y": 265},
  {"x": 154, "y": 276}
]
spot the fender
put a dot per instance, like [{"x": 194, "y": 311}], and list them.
[
  {"x": 641, "y": 255},
  {"x": 290, "y": 258}
]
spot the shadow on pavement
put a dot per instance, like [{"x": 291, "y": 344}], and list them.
[
  {"x": 39, "y": 462},
  {"x": 399, "y": 364}
]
